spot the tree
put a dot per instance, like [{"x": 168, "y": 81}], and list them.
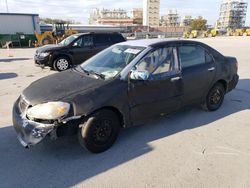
[{"x": 198, "y": 24}]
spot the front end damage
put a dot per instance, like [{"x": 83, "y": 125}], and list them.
[{"x": 31, "y": 132}]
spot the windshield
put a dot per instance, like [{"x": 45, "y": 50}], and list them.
[
  {"x": 111, "y": 61},
  {"x": 68, "y": 40}
]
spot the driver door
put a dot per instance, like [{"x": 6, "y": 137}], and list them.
[
  {"x": 82, "y": 49},
  {"x": 161, "y": 92}
]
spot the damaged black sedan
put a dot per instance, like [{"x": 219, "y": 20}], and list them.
[{"x": 123, "y": 86}]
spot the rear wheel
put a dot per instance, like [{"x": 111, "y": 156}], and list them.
[
  {"x": 214, "y": 98},
  {"x": 61, "y": 63},
  {"x": 100, "y": 131}
]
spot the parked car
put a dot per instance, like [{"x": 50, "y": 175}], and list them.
[
  {"x": 75, "y": 49},
  {"x": 125, "y": 85}
]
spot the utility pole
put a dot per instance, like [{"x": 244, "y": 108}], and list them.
[{"x": 7, "y": 8}]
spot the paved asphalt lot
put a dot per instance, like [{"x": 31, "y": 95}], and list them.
[{"x": 192, "y": 148}]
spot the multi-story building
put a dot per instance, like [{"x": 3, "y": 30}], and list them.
[
  {"x": 171, "y": 19},
  {"x": 151, "y": 13},
  {"x": 137, "y": 14},
  {"x": 232, "y": 14},
  {"x": 110, "y": 17},
  {"x": 186, "y": 21}
]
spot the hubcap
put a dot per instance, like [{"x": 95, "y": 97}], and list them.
[
  {"x": 102, "y": 131},
  {"x": 215, "y": 97},
  {"x": 62, "y": 64}
]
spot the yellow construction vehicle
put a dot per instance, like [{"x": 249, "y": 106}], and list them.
[
  {"x": 193, "y": 34},
  {"x": 205, "y": 34},
  {"x": 238, "y": 32},
  {"x": 247, "y": 32},
  {"x": 210, "y": 33},
  {"x": 59, "y": 32},
  {"x": 213, "y": 33},
  {"x": 186, "y": 34},
  {"x": 230, "y": 32}
]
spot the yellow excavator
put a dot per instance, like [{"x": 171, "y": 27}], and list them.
[
  {"x": 210, "y": 33},
  {"x": 247, "y": 32},
  {"x": 192, "y": 34},
  {"x": 60, "y": 31},
  {"x": 238, "y": 32}
]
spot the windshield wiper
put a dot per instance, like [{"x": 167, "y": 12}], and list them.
[{"x": 102, "y": 76}]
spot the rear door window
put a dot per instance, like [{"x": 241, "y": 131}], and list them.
[
  {"x": 102, "y": 40},
  {"x": 191, "y": 56},
  {"x": 87, "y": 41}
]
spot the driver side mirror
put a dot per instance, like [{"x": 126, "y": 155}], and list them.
[
  {"x": 76, "y": 45},
  {"x": 139, "y": 75}
]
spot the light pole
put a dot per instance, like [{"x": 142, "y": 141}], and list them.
[{"x": 7, "y": 8}]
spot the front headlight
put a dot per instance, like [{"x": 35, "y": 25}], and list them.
[
  {"x": 44, "y": 54},
  {"x": 49, "y": 111}
]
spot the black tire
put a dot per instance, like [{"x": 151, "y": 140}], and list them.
[
  {"x": 100, "y": 131},
  {"x": 61, "y": 63},
  {"x": 214, "y": 98}
]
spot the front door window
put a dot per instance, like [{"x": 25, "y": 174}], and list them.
[{"x": 159, "y": 63}]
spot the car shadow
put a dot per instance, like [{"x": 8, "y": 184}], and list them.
[
  {"x": 14, "y": 59},
  {"x": 63, "y": 163},
  {"x": 8, "y": 75}
]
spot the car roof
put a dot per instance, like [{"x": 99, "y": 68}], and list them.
[
  {"x": 153, "y": 42},
  {"x": 96, "y": 33}
]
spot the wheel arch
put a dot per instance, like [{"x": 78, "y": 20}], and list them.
[
  {"x": 224, "y": 83},
  {"x": 57, "y": 55},
  {"x": 115, "y": 110}
]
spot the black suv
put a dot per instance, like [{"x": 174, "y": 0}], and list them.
[{"x": 75, "y": 49}]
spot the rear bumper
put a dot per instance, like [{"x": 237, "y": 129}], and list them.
[
  {"x": 232, "y": 84},
  {"x": 29, "y": 133}
]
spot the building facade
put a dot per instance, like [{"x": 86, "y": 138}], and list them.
[
  {"x": 137, "y": 15},
  {"x": 151, "y": 13},
  {"x": 232, "y": 14},
  {"x": 186, "y": 21},
  {"x": 114, "y": 17},
  {"x": 171, "y": 19},
  {"x": 12, "y": 23}
]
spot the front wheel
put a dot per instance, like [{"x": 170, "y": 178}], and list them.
[
  {"x": 214, "y": 98},
  {"x": 100, "y": 131},
  {"x": 61, "y": 64}
]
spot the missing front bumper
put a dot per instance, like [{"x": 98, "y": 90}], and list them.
[{"x": 29, "y": 133}]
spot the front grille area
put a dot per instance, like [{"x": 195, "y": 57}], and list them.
[{"x": 23, "y": 104}]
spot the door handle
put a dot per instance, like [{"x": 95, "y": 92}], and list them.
[
  {"x": 211, "y": 69},
  {"x": 175, "y": 79}
]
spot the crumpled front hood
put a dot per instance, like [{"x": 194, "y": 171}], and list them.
[{"x": 59, "y": 86}]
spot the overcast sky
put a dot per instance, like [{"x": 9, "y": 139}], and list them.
[{"x": 79, "y": 9}]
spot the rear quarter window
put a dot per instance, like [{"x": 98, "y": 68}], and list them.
[{"x": 117, "y": 38}]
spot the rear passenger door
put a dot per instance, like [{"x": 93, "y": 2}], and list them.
[{"x": 198, "y": 71}]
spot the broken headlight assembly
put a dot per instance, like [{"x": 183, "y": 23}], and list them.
[{"x": 49, "y": 111}]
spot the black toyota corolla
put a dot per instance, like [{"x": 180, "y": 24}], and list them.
[{"x": 123, "y": 86}]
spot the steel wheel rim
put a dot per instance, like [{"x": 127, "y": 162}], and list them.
[
  {"x": 102, "y": 131},
  {"x": 62, "y": 64},
  {"x": 215, "y": 97}
]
